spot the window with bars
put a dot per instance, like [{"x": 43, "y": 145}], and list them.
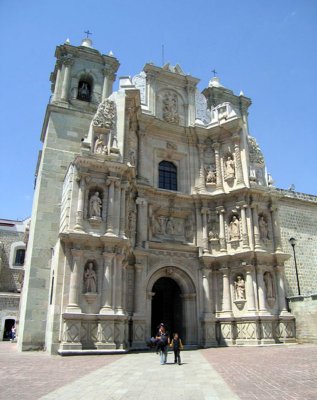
[
  {"x": 19, "y": 257},
  {"x": 167, "y": 175}
]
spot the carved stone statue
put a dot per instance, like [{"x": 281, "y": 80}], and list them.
[
  {"x": 131, "y": 158},
  {"x": 239, "y": 286},
  {"x": 210, "y": 175},
  {"x": 229, "y": 168},
  {"x": 100, "y": 147},
  {"x": 90, "y": 279},
  {"x": 268, "y": 280},
  {"x": 234, "y": 228},
  {"x": 170, "y": 109},
  {"x": 263, "y": 228},
  {"x": 95, "y": 204},
  {"x": 170, "y": 226}
]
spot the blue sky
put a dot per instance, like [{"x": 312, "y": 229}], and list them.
[{"x": 266, "y": 48}]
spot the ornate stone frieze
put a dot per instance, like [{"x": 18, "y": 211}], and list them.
[
  {"x": 105, "y": 116},
  {"x": 170, "y": 107}
]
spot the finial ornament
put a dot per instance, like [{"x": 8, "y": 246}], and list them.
[{"x": 88, "y": 33}]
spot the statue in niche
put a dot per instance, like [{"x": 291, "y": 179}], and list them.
[
  {"x": 170, "y": 111},
  {"x": 131, "y": 162},
  {"x": 161, "y": 229},
  {"x": 189, "y": 228},
  {"x": 170, "y": 226},
  {"x": 269, "y": 285},
  {"x": 210, "y": 175},
  {"x": 234, "y": 228},
  {"x": 95, "y": 204},
  {"x": 100, "y": 147},
  {"x": 239, "y": 286},
  {"x": 90, "y": 279},
  {"x": 263, "y": 228},
  {"x": 229, "y": 168}
]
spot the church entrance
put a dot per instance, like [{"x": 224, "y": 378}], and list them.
[{"x": 167, "y": 306}]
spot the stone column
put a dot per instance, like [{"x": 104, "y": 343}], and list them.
[
  {"x": 74, "y": 284},
  {"x": 80, "y": 205},
  {"x": 141, "y": 221},
  {"x": 204, "y": 212},
  {"x": 255, "y": 218},
  {"x": 222, "y": 239},
  {"x": 122, "y": 212},
  {"x": 276, "y": 228},
  {"x": 117, "y": 287},
  {"x": 245, "y": 236},
  {"x": 202, "y": 181},
  {"x": 261, "y": 290},
  {"x": 206, "y": 290},
  {"x": 67, "y": 62},
  {"x": 109, "y": 78},
  {"x": 216, "y": 147},
  {"x": 104, "y": 204},
  {"x": 116, "y": 207},
  {"x": 226, "y": 303},
  {"x": 281, "y": 288},
  {"x": 141, "y": 158},
  {"x": 239, "y": 173},
  {"x": 106, "y": 289},
  {"x": 57, "y": 80},
  {"x": 110, "y": 232},
  {"x": 138, "y": 298},
  {"x": 249, "y": 270}
]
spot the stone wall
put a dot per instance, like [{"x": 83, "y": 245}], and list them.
[
  {"x": 304, "y": 308},
  {"x": 298, "y": 219}
]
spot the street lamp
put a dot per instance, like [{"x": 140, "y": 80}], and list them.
[{"x": 293, "y": 242}]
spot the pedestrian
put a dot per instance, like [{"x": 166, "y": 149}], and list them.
[
  {"x": 163, "y": 341},
  {"x": 177, "y": 346},
  {"x": 12, "y": 333}
]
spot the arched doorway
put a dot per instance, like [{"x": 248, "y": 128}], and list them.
[
  {"x": 167, "y": 306},
  {"x": 8, "y": 324}
]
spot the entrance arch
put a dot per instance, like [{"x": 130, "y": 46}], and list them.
[
  {"x": 167, "y": 306},
  {"x": 172, "y": 300}
]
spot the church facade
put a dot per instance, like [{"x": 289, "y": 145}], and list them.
[{"x": 152, "y": 204}]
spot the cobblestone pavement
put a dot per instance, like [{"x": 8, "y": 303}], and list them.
[{"x": 272, "y": 372}]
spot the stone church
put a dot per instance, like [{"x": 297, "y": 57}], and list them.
[{"x": 153, "y": 204}]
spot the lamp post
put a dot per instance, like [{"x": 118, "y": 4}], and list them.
[{"x": 293, "y": 242}]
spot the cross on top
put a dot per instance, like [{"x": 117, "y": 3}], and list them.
[
  {"x": 214, "y": 72},
  {"x": 88, "y": 33}
]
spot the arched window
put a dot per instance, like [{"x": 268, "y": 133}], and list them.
[
  {"x": 167, "y": 175},
  {"x": 84, "y": 89},
  {"x": 19, "y": 257}
]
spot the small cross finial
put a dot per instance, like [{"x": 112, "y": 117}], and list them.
[
  {"x": 214, "y": 72},
  {"x": 88, "y": 33}
]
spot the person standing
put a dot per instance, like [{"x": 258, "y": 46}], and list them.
[
  {"x": 163, "y": 341},
  {"x": 177, "y": 346}
]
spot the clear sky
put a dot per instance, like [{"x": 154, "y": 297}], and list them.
[{"x": 266, "y": 48}]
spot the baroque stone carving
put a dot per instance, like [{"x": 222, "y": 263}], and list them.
[
  {"x": 255, "y": 153},
  {"x": 229, "y": 168},
  {"x": 234, "y": 228},
  {"x": 202, "y": 113},
  {"x": 239, "y": 286},
  {"x": 269, "y": 286},
  {"x": 263, "y": 227},
  {"x": 95, "y": 206},
  {"x": 139, "y": 82},
  {"x": 211, "y": 176},
  {"x": 100, "y": 146},
  {"x": 90, "y": 278},
  {"x": 105, "y": 116},
  {"x": 170, "y": 108}
]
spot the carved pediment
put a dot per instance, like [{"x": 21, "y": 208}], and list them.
[{"x": 105, "y": 117}]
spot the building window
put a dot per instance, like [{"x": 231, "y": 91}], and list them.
[
  {"x": 84, "y": 89},
  {"x": 19, "y": 257},
  {"x": 167, "y": 175}
]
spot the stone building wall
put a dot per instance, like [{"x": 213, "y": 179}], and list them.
[{"x": 298, "y": 219}]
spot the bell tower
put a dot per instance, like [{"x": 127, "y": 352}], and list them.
[{"x": 81, "y": 79}]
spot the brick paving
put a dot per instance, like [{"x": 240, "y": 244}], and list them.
[
  {"x": 268, "y": 372},
  {"x": 272, "y": 372}
]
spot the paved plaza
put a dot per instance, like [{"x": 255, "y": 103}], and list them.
[{"x": 271, "y": 372}]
